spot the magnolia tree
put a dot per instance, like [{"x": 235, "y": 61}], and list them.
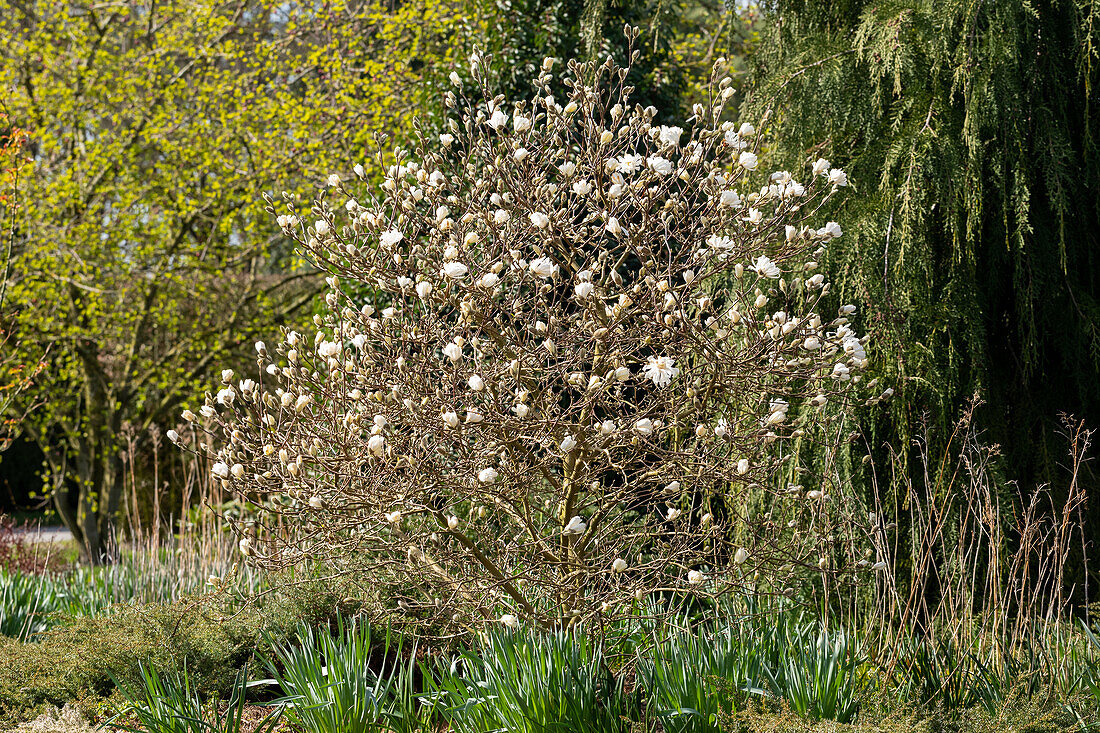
[{"x": 586, "y": 341}]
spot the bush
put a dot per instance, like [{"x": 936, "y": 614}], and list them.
[
  {"x": 80, "y": 660},
  {"x": 565, "y": 355}
]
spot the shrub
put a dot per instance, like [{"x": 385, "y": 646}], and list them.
[
  {"x": 82, "y": 659},
  {"x": 584, "y": 351}
]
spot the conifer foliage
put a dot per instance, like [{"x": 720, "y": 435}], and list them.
[{"x": 970, "y": 131}]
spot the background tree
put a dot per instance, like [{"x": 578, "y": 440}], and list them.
[
  {"x": 142, "y": 254},
  {"x": 970, "y": 134}
]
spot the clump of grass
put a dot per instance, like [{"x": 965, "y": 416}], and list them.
[
  {"x": 345, "y": 682},
  {"x": 171, "y": 704},
  {"x": 531, "y": 682}
]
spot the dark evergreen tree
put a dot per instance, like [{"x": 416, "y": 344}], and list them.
[{"x": 972, "y": 235}]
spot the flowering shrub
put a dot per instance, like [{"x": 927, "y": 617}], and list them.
[{"x": 588, "y": 345}]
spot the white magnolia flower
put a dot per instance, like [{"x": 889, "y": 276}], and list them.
[
  {"x": 237, "y": 470},
  {"x": 764, "y": 267},
  {"x": 661, "y": 369},
  {"x": 660, "y": 166},
  {"x": 543, "y": 267},
  {"x": 455, "y": 270},
  {"x": 673, "y": 514},
  {"x": 473, "y": 417},
  {"x": 622, "y": 373},
  {"x": 423, "y": 289},
  {"x": 488, "y": 280},
  {"x": 748, "y": 161},
  {"x": 582, "y": 187},
  {"x": 742, "y": 466},
  {"x": 730, "y": 199},
  {"x": 734, "y": 140},
  {"x": 453, "y": 351},
  {"x": 746, "y": 130},
  {"x": 476, "y": 383},
  {"x": 754, "y": 217},
  {"x": 321, "y": 227},
  {"x": 501, "y": 216},
  {"x": 567, "y": 168},
  {"x": 390, "y": 237},
  {"x": 487, "y": 475},
  {"x": 393, "y": 517},
  {"x": 607, "y": 427},
  {"x": 880, "y": 565},
  {"x": 831, "y": 229},
  {"x": 328, "y": 349},
  {"x": 510, "y": 620},
  {"x": 847, "y": 310},
  {"x": 741, "y": 556},
  {"x": 498, "y": 119},
  {"x": 838, "y": 177},
  {"x": 245, "y": 546},
  {"x": 376, "y": 445},
  {"x": 820, "y": 167},
  {"x": 583, "y": 289},
  {"x": 568, "y": 444},
  {"x": 521, "y": 410},
  {"x": 619, "y": 566},
  {"x": 539, "y": 219},
  {"x": 173, "y": 436},
  {"x": 644, "y": 426},
  {"x": 695, "y": 577},
  {"x": 670, "y": 136},
  {"x": 450, "y": 419},
  {"x": 221, "y": 470},
  {"x": 576, "y": 525},
  {"x": 629, "y": 163},
  {"x": 447, "y": 139},
  {"x": 316, "y": 502},
  {"x": 520, "y": 123},
  {"x": 225, "y": 396},
  {"x": 452, "y": 522}
]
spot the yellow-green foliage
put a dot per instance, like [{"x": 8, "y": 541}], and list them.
[{"x": 142, "y": 252}]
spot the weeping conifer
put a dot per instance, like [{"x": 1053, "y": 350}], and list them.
[{"x": 972, "y": 235}]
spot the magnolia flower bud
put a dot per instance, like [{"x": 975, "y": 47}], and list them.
[
  {"x": 742, "y": 466},
  {"x": 487, "y": 475},
  {"x": 695, "y": 577},
  {"x": 510, "y": 620},
  {"x": 741, "y": 556},
  {"x": 619, "y": 566},
  {"x": 245, "y": 546}
]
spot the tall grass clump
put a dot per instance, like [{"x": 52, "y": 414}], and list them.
[
  {"x": 171, "y": 704},
  {"x": 528, "y": 681},
  {"x": 346, "y": 681}
]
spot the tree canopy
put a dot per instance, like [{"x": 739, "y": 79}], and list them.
[
  {"x": 969, "y": 134},
  {"x": 143, "y": 253}
]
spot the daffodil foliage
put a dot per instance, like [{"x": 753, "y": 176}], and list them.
[
  {"x": 556, "y": 404},
  {"x": 142, "y": 255}
]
